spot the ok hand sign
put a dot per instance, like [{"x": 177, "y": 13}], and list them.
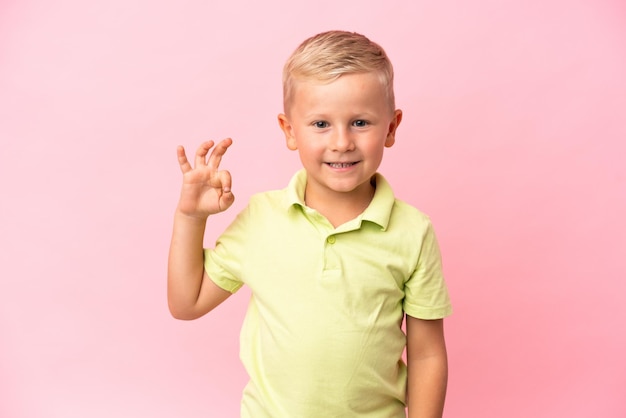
[{"x": 206, "y": 189}]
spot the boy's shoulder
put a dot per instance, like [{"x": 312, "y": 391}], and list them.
[
  {"x": 268, "y": 196},
  {"x": 407, "y": 219},
  {"x": 269, "y": 201},
  {"x": 404, "y": 208}
]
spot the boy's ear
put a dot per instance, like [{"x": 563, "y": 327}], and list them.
[
  {"x": 287, "y": 129},
  {"x": 393, "y": 125}
]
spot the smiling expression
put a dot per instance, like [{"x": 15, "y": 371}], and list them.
[{"x": 340, "y": 130}]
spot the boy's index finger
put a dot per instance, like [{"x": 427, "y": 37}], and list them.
[{"x": 218, "y": 152}]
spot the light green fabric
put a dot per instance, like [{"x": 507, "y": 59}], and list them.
[{"x": 322, "y": 336}]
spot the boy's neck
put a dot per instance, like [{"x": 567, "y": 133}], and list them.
[{"x": 338, "y": 207}]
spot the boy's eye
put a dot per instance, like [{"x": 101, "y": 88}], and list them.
[
  {"x": 320, "y": 124},
  {"x": 359, "y": 123}
]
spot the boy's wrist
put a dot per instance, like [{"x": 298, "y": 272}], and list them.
[{"x": 191, "y": 218}]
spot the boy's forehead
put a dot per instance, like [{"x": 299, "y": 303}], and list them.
[
  {"x": 346, "y": 84},
  {"x": 361, "y": 94},
  {"x": 324, "y": 86}
]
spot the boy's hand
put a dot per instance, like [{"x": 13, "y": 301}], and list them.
[{"x": 206, "y": 190}]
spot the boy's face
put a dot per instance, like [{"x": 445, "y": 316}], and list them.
[{"x": 340, "y": 130}]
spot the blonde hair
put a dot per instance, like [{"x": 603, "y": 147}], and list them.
[{"x": 328, "y": 55}]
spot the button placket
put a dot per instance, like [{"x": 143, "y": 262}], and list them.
[{"x": 331, "y": 258}]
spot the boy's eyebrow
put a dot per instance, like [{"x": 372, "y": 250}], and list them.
[
  {"x": 353, "y": 113},
  {"x": 359, "y": 115},
  {"x": 315, "y": 116}
]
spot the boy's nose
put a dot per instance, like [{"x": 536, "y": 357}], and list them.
[{"x": 342, "y": 141}]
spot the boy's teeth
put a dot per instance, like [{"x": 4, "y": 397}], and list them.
[{"x": 340, "y": 165}]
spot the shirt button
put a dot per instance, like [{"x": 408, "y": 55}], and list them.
[{"x": 331, "y": 239}]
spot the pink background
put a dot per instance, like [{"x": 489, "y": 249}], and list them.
[{"x": 514, "y": 141}]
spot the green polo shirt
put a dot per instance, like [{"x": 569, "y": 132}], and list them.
[{"x": 322, "y": 335}]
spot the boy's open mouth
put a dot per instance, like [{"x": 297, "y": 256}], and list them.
[{"x": 341, "y": 165}]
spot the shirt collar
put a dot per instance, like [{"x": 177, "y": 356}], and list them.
[{"x": 378, "y": 211}]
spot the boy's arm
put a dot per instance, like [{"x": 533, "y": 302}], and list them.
[
  {"x": 427, "y": 363},
  {"x": 206, "y": 191}
]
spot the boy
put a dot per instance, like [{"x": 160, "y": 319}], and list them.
[{"x": 334, "y": 261}]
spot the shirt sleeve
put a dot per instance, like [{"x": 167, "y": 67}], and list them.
[
  {"x": 426, "y": 293},
  {"x": 224, "y": 263}
]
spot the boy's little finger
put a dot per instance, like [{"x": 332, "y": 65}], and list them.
[{"x": 182, "y": 159}]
